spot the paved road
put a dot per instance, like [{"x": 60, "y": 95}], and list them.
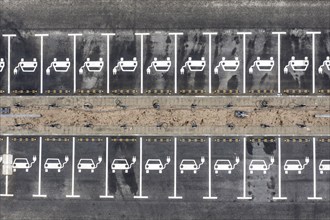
[{"x": 178, "y": 14}]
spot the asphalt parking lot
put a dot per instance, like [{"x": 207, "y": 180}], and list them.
[
  {"x": 166, "y": 187},
  {"x": 225, "y": 44},
  {"x": 191, "y": 185},
  {"x": 231, "y": 50}
]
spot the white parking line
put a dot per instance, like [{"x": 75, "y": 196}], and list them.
[
  {"x": 39, "y": 174},
  {"x": 41, "y": 59},
  {"x": 141, "y": 62},
  {"x": 175, "y": 169},
  {"x": 8, "y": 59},
  {"x": 244, "y": 59},
  {"x": 74, "y": 60},
  {"x": 279, "y": 197},
  {"x": 6, "y": 178},
  {"x": 278, "y": 60},
  {"x": 140, "y": 196},
  {"x": 73, "y": 168},
  {"x": 210, "y": 181},
  {"x": 106, "y": 195},
  {"x": 210, "y": 58},
  {"x": 314, "y": 173},
  {"x": 313, "y": 55},
  {"x": 108, "y": 58},
  {"x": 175, "y": 60},
  {"x": 244, "y": 197}
]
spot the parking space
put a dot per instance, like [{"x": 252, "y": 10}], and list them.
[
  {"x": 77, "y": 63},
  {"x": 297, "y": 171},
  {"x": 296, "y": 61},
  {"x": 2, "y": 152},
  {"x": 90, "y": 163},
  {"x": 192, "y": 169},
  {"x": 19, "y": 171},
  {"x": 91, "y": 62},
  {"x": 3, "y": 66},
  {"x": 58, "y": 64},
  {"x": 124, "y": 65},
  {"x": 77, "y": 167},
  {"x": 159, "y": 63},
  {"x": 124, "y": 167},
  {"x": 227, "y": 63},
  {"x": 322, "y": 61},
  {"x": 261, "y": 62},
  {"x": 192, "y": 62},
  {"x": 227, "y": 164},
  {"x": 23, "y": 182},
  {"x": 56, "y": 170},
  {"x": 322, "y": 168},
  {"x": 261, "y": 168},
  {"x": 25, "y": 63},
  {"x": 158, "y": 167}
]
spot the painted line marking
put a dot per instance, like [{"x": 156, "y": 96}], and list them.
[
  {"x": 73, "y": 167},
  {"x": 140, "y": 196},
  {"x": 314, "y": 173},
  {"x": 244, "y": 173},
  {"x": 175, "y": 60},
  {"x": 210, "y": 167},
  {"x": 279, "y": 197},
  {"x": 74, "y": 61},
  {"x": 279, "y": 60},
  {"x": 244, "y": 58},
  {"x": 39, "y": 171},
  {"x": 6, "y": 178},
  {"x": 210, "y": 58},
  {"x": 175, "y": 169},
  {"x": 313, "y": 56},
  {"x": 8, "y": 61},
  {"x": 106, "y": 169},
  {"x": 108, "y": 58},
  {"x": 41, "y": 60},
  {"x": 141, "y": 62}
]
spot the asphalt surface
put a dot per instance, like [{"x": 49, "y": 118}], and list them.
[
  {"x": 159, "y": 186},
  {"x": 178, "y": 14},
  {"x": 125, "y": 44},
  {"x": 58, "y": 18}
]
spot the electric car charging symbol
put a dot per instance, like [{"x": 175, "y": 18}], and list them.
[
  {"x": 226, "y": 165},
  {"x": 193, "y": 65},
  {"x": 55, "y": 164},
  {"x": 190, "y": 165},
  {"x": 2, "y": 64},
  {"x": 159, "y": 65},
  {"x": 324, "y": 166},
  {"x": 227, "y": 65},
  {"x": 92, "y": 66},
  {"x": 88, "y": 164},
  {"x": 122, "y": 164},
  {"x": 295, "y": 165},
  {"x": 26, "y": 66},
  {"x": 125, "y": 66},
  {"x": 262, "y": 65},
  {"x": 324, "y": 68},
  {"x": 156, "y": 164},
  {"x": 59, "y": 66},
  {"x": 260, "y": 165},
  {"x": 296, "y": 65},
  {"x": 23, "y": 163}
]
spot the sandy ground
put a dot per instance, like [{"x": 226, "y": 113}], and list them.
[{"x": 170, "y": 117}]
